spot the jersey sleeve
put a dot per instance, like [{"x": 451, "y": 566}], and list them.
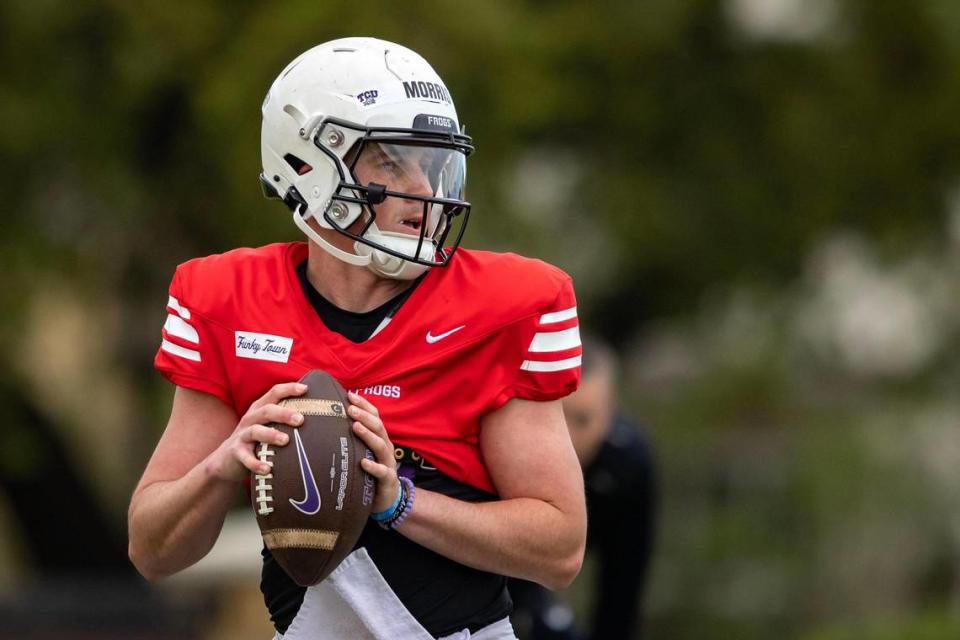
[
  {"x": 189, "y": 354},
  {"x": 548, "y": 363}
]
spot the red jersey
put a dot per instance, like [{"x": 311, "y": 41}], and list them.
[{"x": 484, "y": 329}]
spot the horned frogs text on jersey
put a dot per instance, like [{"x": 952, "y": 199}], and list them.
[{"x": 487, "y": 328}]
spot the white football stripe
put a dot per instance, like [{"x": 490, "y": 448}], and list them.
[
  {"x": 174, "y": 304},
  {"x": 556, "y": 341},
  {"x": 181, "y": 329},
  {"x": 558, "y": 316},
  {"x": 558, "y": 365},
  {"x": 177, "y": 350}
]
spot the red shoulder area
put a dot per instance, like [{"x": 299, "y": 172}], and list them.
[
  {"x": 506, "y": 281},
  {"x": 213, "y": 284}
]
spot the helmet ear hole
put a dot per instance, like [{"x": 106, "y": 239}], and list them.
[{"x": 297, "y": 164}]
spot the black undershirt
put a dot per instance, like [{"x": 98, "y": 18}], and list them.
[
  {"x": 444, "y": 596},
  {"x": 356, "y": 327}
]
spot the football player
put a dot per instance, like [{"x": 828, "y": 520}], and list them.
[{"x": 456, "y": 361}]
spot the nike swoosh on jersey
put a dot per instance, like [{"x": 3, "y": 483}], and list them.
[
  {"x": 432, "y": 338},
  {"x": 311, "y": 500}
]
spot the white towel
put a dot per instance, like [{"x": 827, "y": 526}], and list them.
[{"x": 354, "y": 602}]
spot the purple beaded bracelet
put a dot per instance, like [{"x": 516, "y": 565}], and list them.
[{"x": 406, "y": 504}]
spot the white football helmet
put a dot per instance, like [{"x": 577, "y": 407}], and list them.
[{"x": 350, "y": 125}]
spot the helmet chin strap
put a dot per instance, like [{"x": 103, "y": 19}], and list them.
[
  {"x": 395, "y": 268},
  {"x": 349, "y": 258},
  {"x": 390, "y": 266},
  {"x": 380, "y": 262}
]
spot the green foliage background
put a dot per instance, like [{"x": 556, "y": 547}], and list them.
[{"x": 693, "y": 176}]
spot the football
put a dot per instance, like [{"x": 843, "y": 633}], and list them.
[{"x": 314, "y": 504}]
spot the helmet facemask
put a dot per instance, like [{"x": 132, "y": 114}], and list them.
[{"x": 408, "y": 185}]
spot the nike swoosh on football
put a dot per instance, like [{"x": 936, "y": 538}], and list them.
[
  {"x": 311, "y": 501},
  {"x": 432, "y": 338}
]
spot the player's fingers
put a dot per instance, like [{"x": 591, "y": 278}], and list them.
[
  {"x": 380, "y": 447},
  {"x": 273, "y": 413},
  {"x": 369, "y": 420},
  {"x": 374, "y": 441},
  {"x": 278, "y": 392},
  {"x": 388, "y": 485},
  {"x": 263, "y": 433},
  {"x": 379, "y": 471},
  {"x": 363, "y": 403},
  {"x": 245, "y": 456}
]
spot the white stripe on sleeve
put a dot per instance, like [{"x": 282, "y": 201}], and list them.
[
  {"x": 546, "y": 342},
  {"x": 181, "y": 329},
  {"x": 558, "y": 365},
  {"x": 177, "y": 350},
  {"x": 558, "y": 316},
  {"x": 174, "y": 304}
]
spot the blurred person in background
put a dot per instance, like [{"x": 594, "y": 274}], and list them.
[
  {"x": 621, "y": 504},
  {"x": 461, "y": 359}
]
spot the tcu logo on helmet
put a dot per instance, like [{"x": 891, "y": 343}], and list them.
[{"x": 368, "y": 97}]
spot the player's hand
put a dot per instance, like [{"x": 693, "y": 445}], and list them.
[
  {"x": 369, "y": 427},
  {"x": 235, "y": 456}
]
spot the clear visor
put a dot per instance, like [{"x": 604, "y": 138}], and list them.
[
  {"x": 413, "y": 193},
  {"x": 414, "y": 169}
]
